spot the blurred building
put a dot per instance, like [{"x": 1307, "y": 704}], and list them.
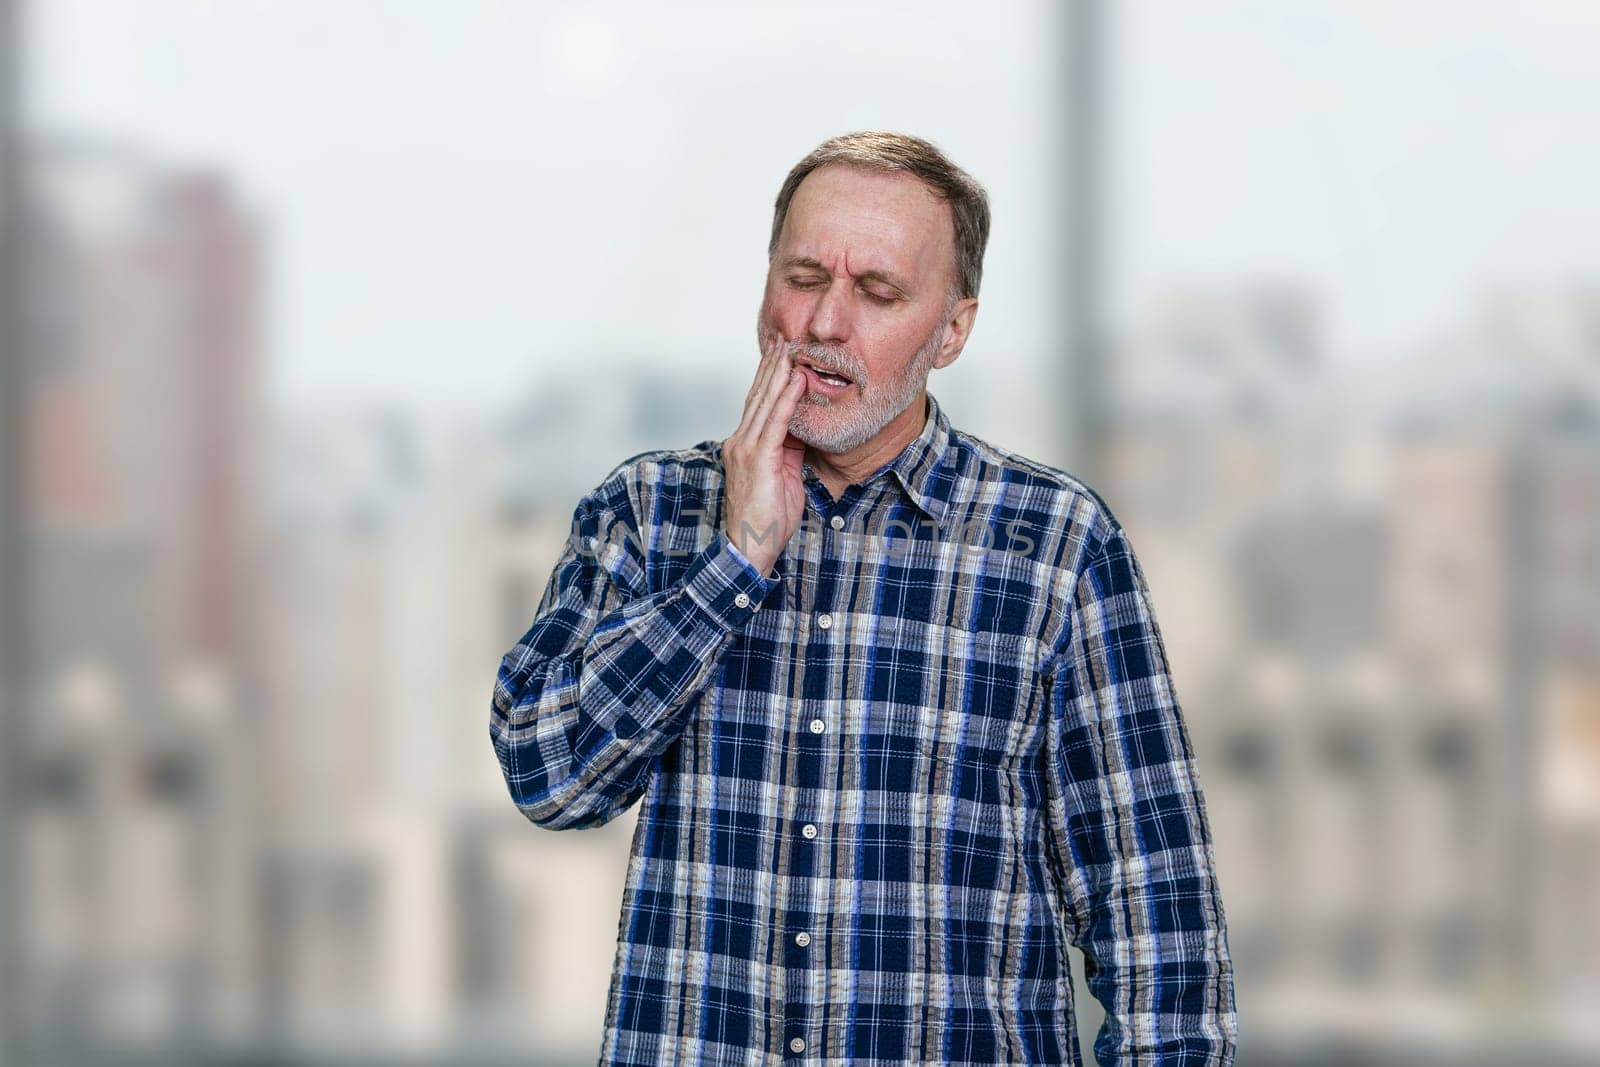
[
  {"x": 141, "y": 340},
  {"x": 412, "y": 912},
  {"x": 1392, "y": 685}
]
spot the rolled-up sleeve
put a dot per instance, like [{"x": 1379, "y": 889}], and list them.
[{"x": 1129, "y": 839}]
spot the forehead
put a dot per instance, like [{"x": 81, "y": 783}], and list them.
[{"x": 872, "y": 219}]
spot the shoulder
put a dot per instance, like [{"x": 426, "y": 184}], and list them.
[
  {"x": 686, "y": 476},
  {"x": 1051, "y": 497},
  {"x": 698, "y": 461}
]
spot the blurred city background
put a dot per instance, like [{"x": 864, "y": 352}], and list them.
[{"x": 317, "y": 319}]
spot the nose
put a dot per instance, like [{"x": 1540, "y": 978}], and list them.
[{"x": 830, "y": 315}]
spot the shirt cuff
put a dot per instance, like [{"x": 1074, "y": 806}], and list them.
[{"x": 725, "y": 584}]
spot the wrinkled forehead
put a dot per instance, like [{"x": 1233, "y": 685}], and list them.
[{"x": 856, "y": 220}]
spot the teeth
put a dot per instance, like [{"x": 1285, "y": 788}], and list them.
[{"x": 834, "y": 378}]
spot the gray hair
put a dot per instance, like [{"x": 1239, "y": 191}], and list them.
[{"x": 882, "y": 150}]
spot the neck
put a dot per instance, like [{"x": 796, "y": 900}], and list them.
[{"x": 838, "y": 470}]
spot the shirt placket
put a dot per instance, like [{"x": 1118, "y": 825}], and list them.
[{"x": 820, "y": 570}]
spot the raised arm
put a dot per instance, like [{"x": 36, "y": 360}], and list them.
[
  {"x": 599, "y": 685},
  {"x": 1129, "y": 837}
]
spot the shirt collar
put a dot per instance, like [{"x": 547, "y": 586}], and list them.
[{"x": 920, "y": 467}]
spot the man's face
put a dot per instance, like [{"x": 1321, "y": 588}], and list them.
[{"x": 858, "y": 285}]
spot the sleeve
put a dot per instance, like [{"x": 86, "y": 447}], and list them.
[
  {"x": 599, "y": 685},
  {"x": 1129, "y": 838}
]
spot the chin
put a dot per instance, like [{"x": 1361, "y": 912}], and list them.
[
  {"x": 807, "y": 428},
  {"x": 804, "y": 432},
  {"x": 829, "y": 437}
]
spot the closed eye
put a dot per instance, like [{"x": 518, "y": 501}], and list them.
[{"x": 812, "y": 283}]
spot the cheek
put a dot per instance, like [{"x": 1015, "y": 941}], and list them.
[
  {"x": 785, "y": 310},
  {"x": 893, "y": 347},
  {"x": 889, "y": 352}
]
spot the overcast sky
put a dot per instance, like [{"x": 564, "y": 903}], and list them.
[{"x": 463, "y": 197}]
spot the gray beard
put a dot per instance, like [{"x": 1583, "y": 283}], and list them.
[{"x": 875, "y": 410}]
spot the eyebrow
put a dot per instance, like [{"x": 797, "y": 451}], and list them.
[{"x": 866, "y": 275}]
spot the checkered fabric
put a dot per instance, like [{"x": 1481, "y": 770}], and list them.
[{"x": 885, "y": 787}]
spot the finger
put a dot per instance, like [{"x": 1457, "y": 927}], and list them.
[
  {"x": 762, "y": 365},
  {"x": 776, "y": 429},
  {"x": 765, "y": 382},
  {"x": 763, "y": 378},
  {"x": 777, "y": 382},
  {"x": 777, "y": 354}
]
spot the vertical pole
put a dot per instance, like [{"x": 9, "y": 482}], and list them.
[
  {"x": 13, "y": 612},
  {"x": 1079, "y": 381},
  {"x": 1083, "y": 237}
]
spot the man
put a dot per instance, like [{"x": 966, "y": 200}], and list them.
[{"x": 894, "y": 697}]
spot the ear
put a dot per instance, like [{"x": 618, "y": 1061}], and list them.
[{"x": 957, "y": 330}]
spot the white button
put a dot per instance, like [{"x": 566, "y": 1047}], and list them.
[
  {"x": 837, "y": 522},
  {"x": 802, "y": 939},
  {"x": 817, "y": 726},
  {"x": 743, "y": 600},
  {"x": 798, "y": 1044},
  {"x": 808, "y": 831},
  {"x": 824, "y": 621}
]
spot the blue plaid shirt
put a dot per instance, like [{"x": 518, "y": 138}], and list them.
[{"x": 885, "y": 788}]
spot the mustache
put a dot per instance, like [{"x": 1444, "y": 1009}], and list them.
[{"x": 830, "y": 358}]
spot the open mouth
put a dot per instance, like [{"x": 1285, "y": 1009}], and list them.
[{"x": 826, "y": 375}]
